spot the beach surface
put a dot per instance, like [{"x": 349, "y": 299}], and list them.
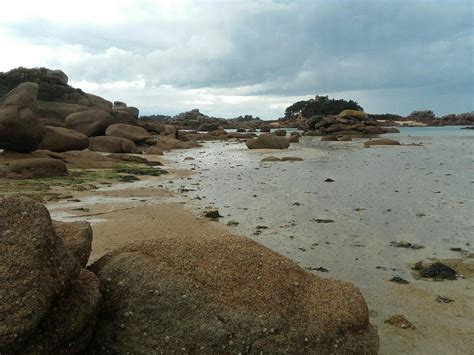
[{"x": 421, "y": 194}]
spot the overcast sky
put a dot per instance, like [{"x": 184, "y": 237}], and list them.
[{"x": 231, "y": 58}]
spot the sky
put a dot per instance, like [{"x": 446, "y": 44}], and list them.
[{"x": 231, "y": 58}]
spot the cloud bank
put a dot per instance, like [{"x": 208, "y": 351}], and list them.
[{"x": 251, "y": 57}]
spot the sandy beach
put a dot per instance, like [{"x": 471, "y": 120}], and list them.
[{"x": 414, "y": 195}]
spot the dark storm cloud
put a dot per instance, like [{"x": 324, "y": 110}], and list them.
[{"x": 275, "y": 48}]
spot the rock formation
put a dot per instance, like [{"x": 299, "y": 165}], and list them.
[
  {"x": 268, "y": 141},
  {"x": 223, "y": 295},
  {"x": 48, "y": 304}
]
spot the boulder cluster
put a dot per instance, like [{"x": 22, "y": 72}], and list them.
[
  {"x": 40, "y": 111},
  {"x": 352, "y": 123}
]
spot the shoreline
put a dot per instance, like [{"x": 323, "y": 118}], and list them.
[{"x": 154, "y": 207}]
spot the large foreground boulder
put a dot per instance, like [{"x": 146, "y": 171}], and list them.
[
  {"x": 58, "y": 139},
  {"x": 111, "y": 144},
  {"x": 223, "y": 295},
  {"x": 134, "y": 133},
  {"x": 90, "y": 123},
  {"x": 268, "y": 141},
  {"x": 35, "y": 267},
  {"x": 33, "y": 168}
]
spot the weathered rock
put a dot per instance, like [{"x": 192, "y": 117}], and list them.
[
  {"x": 57, "y": 75},
  {"x": 207, "y": 127},
  {"x": 152, "y": 150},
  {"x": 134, "y": 133},
  {"x": 83, "y": 159},
  {"x": 345, "y": 138},
  {"x": 280, "y": 132},
  {"x": 352, "y": 113},
  {"x": 119, "y": 104},
  {"x": 167, "y": 143},
  {"x": 24, "y": 95},
  {"x": 268, "y": 141},
  {"x": 33, "y": 168},
  {"x": 294, "y": 138},
  {"x": 58, "y": 110},
  {"x": 223, "y": 295},
  {"x": 329, "y": 139},
  {"x": 90, "y": 123},
  {"x": 111, "y": 144},
  {"x": 20, "y": 129},
  {"x": 270, "y": 158},
  {"x": 292, "y": 159},
  {"x": 58, "y": 139},
  {"x": 99, "y": 102},
  {"x": 133, "y": 111},
  {"x": 67, "y": 328},
  {"x": 52, "y": 86},
  {"x": 77, "y": 237},
  {"x": 381, "y": 142},
  {"x": 35, "y": 267},
  {"x": 125, "y": 117},
  {"x": 46, "y": 122},
  {"x": 265, "y": 129},
  {"x": 156, "y": 127}
]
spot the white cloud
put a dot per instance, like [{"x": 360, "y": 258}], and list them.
[{"x": 231, "y": 58}]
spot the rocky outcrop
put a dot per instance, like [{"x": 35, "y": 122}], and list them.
[
  {"x": 58, "y": 139},
  {"x": 20, "y": 128},
  {"x": 90, "y": 123},
  {"x": 349, "y": 122},
  {"x": 109, "y": 144},
  {"x": 225, "y": 294},
  {"x": 268, "y": 141},
  {"x": 133, "y": 133},
  {"x": 33, "y": 168}
]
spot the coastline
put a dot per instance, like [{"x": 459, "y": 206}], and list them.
[{"x": 153, "y": 206}]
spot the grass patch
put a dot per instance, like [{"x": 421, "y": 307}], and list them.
[{"x": 140, "y": 170}]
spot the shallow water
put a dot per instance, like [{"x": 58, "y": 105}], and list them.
[{"x": 420, "y": 194}]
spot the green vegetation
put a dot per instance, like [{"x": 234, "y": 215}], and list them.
[
  {"x": 320, "y": 105},
  {"x": 140, "y": 170}
]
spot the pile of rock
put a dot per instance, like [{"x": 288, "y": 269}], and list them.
[
  {"x": 48, "y": 301},
  {"x": 354, "y": 124},
  {"x": 39, "y": 110}
]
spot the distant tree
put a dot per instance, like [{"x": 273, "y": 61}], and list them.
[{"x": 320, "y": 105}]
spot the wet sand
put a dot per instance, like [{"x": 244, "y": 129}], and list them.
[{"x": 416, "y": 194}]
